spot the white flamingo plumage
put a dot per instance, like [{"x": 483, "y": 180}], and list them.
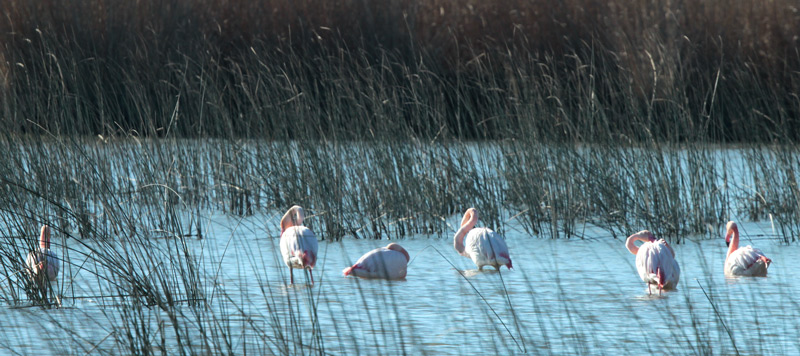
[
  {"x": 484, "y": 246},
  {"x": 388, "y": 262},
  {"x": 43, "y": 264},
  {"x": 745, "y": 261},
  {"x": 655, "y": 261},
  {"x": 298, "y": 243}
]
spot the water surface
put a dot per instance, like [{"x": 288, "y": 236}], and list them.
[{"x": 564, "y": 296}]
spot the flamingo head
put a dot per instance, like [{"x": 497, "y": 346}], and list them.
[
  {"x": 469, "y": 216},
  {"x": 766, "y": 260},
  {"x": 398, "y": 248},
  {"x": 299, "y": 215},
  {"x": 293, "y": 217},
  {"x": 645, "y": 235},
  {"x": 508, "y": 265},
  {"x": 731, "y": 229},
  {"x": 308, "y": 258},
  {"x": 44, "y": 237}
]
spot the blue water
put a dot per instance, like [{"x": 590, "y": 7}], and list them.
[{"x": 564, "y": 296}]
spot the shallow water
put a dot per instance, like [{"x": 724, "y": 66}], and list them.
[{"x": 564, "y": 296}]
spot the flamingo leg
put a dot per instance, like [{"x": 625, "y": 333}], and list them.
[
  {"x": 291, "y": 275},
  {"x": 311, "y": 273}
]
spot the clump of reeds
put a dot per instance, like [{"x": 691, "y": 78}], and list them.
[
  {"x": 107, "y": 187},
  {"x": 553, "y": 116},
  {"x": 129, "y": 212},
  {"x": 581, "y": 71}
]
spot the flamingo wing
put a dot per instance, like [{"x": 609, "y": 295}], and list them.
[
  {"x": 656, "y": 265},
  {"x": 299, "y": 247},
  {"x": 380, "y": 263},
  {"x": 746, "y": 261},
  {"x": 50, "y": 259},
  {"x": 486, "y": 248}
]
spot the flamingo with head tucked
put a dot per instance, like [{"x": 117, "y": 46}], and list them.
[
  {"x": 655, "y": 261},
  {"x": 298, "y": 243},
  {"x": 43, "y": 264},
  {"x": 388, "y": 262},
  {"x": 484, "y": 246},
  {"x": 745, "y": 261}
]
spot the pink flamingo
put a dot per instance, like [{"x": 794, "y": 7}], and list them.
[
  {"x": 43, "y": 259},
  {"x": 484, "y": 246},
  {"x": 745, "y": 261},
  {"x": 655, "y": 261},
  {"x": 388, "y": 262},
  {"x": 298, "y": 243}
]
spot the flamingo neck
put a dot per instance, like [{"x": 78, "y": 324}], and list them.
[
  {"x": 629, "y": 243},
  {"x": 398, "y": 248},
  {"x": 293, "y": 217},
  {"x": 734, "y": 245},
  {"x": 468, "y": 223},
  {"x": 458, "y": 239},
  {"x": 644, "y": 236},
  {"x": 44, "y": 238}
]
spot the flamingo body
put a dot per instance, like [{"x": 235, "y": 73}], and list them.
[
  {"x": 486, "y": 248},
  {"x": 298, "y": 243},
  {"x": 482, "y": 245},
  {"x": 385, "y": 263},
  {"x": 655, "y": 261},
  {"x": 657, "y": 266},
  {"x": 49, "y": 261},
  {"x": 746, "y": 261},
  {"x": 43, "y": 263},
  {"x": 299, "y": 247}
]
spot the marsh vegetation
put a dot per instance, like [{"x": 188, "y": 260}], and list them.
[{"x": 137, "y": 130}]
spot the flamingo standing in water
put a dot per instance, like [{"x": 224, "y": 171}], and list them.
[
  {"x": 655, "y": 261},
  {"x": 43, "y": 264},
  {"x": 298, "y": 243},
  {"x": 745, "y": 261},
  {"x": 484, "y": 246},
  {"x": 388, "y": 262}
]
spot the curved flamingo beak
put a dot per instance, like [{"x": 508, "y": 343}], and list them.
[{"x": 728, "y": 238}]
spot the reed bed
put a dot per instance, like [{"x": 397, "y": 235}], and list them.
[
  {"x": 134, "y": 214},
  {"x": 128, "y": 127},
  {"x": 581, "y": 71},
  {"x": 617, "y": 123},
  {"x": 395, "y": 189}
]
